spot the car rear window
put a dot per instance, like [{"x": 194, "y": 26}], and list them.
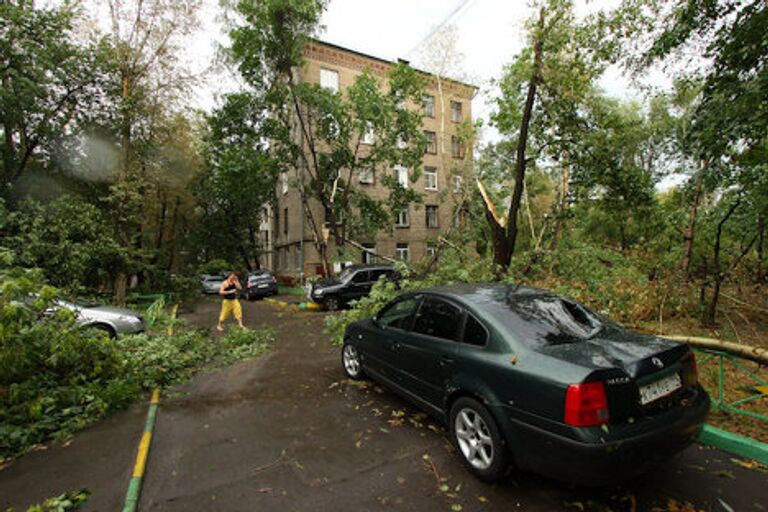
[{"x": 548, "y": 320}]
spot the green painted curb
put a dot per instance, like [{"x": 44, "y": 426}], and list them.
[
  {"x": 137, "y": 477},
  {"x": 733, "y": 443}
]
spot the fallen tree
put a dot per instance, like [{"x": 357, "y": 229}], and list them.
[{"x": 756, "y": 354}]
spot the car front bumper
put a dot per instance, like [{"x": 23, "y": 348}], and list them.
[
  {"x": 612, "y": 454},
  {"x": 257, "y": 291}
]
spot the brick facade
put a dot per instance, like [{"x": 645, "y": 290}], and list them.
[{"x": 295, "y": 253}]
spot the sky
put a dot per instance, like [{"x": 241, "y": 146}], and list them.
[{"x": 490, "y": 33}]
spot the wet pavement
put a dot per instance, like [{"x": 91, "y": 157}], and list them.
[{"x": 289, "y": 432}]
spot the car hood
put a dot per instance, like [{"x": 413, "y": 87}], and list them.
[
  {"x": 327, "y": 282},
  {"x": 637, "y": 354},
  {"x": 108, "y": 311}
]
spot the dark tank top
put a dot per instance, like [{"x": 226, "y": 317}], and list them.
[{"x": 232, "y": 292}]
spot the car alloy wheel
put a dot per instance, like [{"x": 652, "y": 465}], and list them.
[
  {"x": 478, "y": 439},
  {"x": 474, "y": 439},
  {"x": 331, "y": 303},
  {"x": 351, "y": 360}
]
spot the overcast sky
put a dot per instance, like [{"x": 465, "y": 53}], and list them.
[{"x": 490, "y": 32}]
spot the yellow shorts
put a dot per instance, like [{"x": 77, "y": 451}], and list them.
[{"x": 230, "y": 307}]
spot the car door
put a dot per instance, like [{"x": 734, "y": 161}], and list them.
[
  {"x": 428, "y": 352},
  {"x": 391, "y": 325},
  {"x": 359, "y": 286}
]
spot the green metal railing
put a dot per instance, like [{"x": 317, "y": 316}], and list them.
[{"x": 721, "y": 402}]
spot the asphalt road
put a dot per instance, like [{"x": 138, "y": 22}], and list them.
[{"x": 288, "y": 432}]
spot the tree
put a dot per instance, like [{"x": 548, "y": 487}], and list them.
[
  {"x": 49, "y": 84},
  {"x": 322, "y": 136},
  {"x": 146, "y": 41},
  {"x": 238, "y": 179},
  {"x": 541, "y": 92}
]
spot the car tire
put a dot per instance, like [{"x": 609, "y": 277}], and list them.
[
  {"x": 331, "y": 303},
  {"x": 104, "y": 328},
  {"x": 478, "y": 440},
  {"x": 351, "y": 362}
]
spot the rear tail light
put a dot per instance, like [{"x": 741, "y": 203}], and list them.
[{"x": 586, "y": 404}]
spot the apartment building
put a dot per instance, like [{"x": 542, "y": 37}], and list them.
[{"x": 446, "y": 165}]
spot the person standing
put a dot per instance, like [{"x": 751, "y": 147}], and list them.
[{"x": 230, "y": 305}]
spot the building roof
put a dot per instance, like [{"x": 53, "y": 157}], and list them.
[{"x": 388, "y": 62}]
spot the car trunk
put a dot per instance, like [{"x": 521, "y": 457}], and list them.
[{"x": 642, "y": 374}]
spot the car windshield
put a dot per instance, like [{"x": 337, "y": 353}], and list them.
[
  {"x": 346, "y": 273},
  {"x": 548, "y": 319}
]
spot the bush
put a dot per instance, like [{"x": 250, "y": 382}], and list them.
[{"x": 56, "y": 378}]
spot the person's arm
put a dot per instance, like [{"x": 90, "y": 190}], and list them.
[
  {"x": 237, "y": 284},
  {"x": 224, "y": 284}
]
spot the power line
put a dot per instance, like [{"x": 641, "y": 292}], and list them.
[{"x": 462, "y": 5}]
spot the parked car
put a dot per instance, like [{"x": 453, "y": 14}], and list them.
[
  {"x": 110, "y": 319},
  {"x": 524, "y": 376},
  {"x": 354, "y": 282},
  {"x": 261, "y": 283},
  {"x": 211, "y": 283}
]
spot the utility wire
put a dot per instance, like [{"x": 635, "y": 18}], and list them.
[{"x": 462, "y": 5}]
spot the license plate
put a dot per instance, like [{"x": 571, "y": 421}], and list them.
[
  {"x": 263, "y": 285},
  {"x": 660, "y": 388}
]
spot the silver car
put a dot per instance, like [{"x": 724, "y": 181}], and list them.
[{"x": 109, "y": 319}]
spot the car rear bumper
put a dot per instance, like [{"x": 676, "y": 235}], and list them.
[{"x": 616, "y": 455}]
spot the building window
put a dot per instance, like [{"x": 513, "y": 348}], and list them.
[
  {"x": 366, "y": 176},
  {"x": 402, "y": 220},
  {"x": 430, "y": 178},
  {"x": 298, "y": 258},
  {"x": 402, "y": 252},
  {"x": 431, "y": 142},
  {"x": 277, "y": 260},
  {"x": 265, "y": 236},
  {"x": 457, "y": 147},
  {"x": 284, "y": 182},
  {"x": 456, "y": 111},
  {"x": 457, "y": 181},
  {"x": 429, "y": 106},
  {"x": 457, "y": 219},
  {"x": 431, "y": 248},
  {"x": 329, "y": 79},
  {"x": 367, "y": 137},
  {"x": 431, "y": 215},
  {"x": 401, "y": 175},
  {"x": 369, "y": 254},
  {"x": 285, "y": 221}
]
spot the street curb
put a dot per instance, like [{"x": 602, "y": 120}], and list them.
[
  {"x": 303, "y": 306},
  {"x": 735, "y": 444},
  {"x": 137, "y": 478}
]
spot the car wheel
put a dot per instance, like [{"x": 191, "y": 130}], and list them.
[
  {"x": 350, "y": 359},
  {"x": 104, "y": 328},
  {"x": 478, "y": 440},
  {"x": 331, "y": 303}
]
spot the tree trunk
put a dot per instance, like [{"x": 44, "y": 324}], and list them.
[
  {"x": 719, "y": 275},
  {"x": 563, "y": 206},
  {"x": 505, "y": 238},
  {"x": 690, "y": 232},
  {"x": 759, "y": 274},
  {"x": 120, "y": 283},
  {"x": 756, "y": 354}
]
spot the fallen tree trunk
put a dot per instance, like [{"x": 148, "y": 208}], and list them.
[{"x": 756, "y": 354}]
